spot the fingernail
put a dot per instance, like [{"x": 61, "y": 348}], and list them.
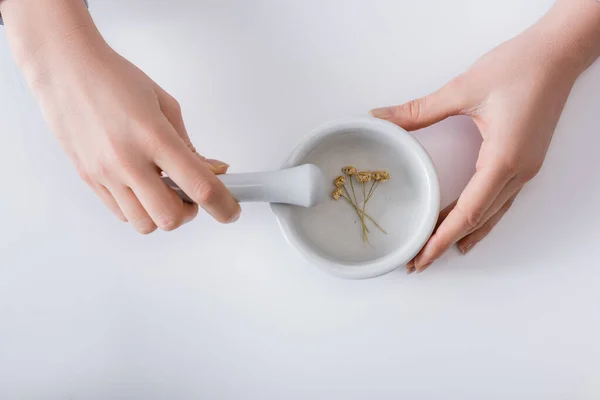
[
  {"x": 424, "y": 267},
  {"x": 236, "y": 216},
  {"x": 467, "y": 248},
  {"x": 410, "y": 270},
  {"x": 383, "y": 113},
  {"x": 217, "y": 163},
  {"x": 217, "y": 167}
]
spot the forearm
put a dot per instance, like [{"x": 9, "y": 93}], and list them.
[
  {"x": 42, "y": 31},
  {"x": 572, "y": 32}
]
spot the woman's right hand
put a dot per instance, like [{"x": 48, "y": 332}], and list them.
[{"x": 122, "y": 130}]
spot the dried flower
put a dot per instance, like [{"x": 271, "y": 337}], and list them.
[
  {"x": 363, "y": 177},
  {"x": 349, "y": 170},
  {"x": 337, "y": 193},
  {"x": 380, "y": 176},
  {"x": 340, "y": 181}
]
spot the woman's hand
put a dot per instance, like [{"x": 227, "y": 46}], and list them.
[
  {"x": 515, "y": 95},
  {"x": 119, "y": 127},
  {"x": 121, "y": 130}
]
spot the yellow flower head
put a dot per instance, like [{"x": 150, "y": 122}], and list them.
[
  {"x": 363, "y": 177},
  {"x": 337, "y": 193},
  {"x": 340, "y": 181},
  {"x": 349, "y": 170}
]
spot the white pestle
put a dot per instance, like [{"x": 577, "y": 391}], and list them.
[{"x": 303, "y": 186}]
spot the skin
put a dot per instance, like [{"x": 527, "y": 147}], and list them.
[
  {"x": 120, "y": 129},
  {"x": 515, "y": 94}
]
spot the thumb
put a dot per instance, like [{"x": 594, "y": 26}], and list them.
[{"x": 426, "y": 111}]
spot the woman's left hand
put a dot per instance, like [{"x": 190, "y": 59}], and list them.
[{"x": 515, "y": 95}]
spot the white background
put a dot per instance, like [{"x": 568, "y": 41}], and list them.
[{"x": 91, "y": 310}]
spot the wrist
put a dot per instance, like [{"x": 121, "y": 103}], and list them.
[
  {"x": 570, "y": 32},
  {"x": 44, "y": 34}
]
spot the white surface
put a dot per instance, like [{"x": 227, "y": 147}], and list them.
[{"x": 91, "y": 310}]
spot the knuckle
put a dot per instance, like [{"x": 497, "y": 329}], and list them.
[
  {"x": 473, "y": 219},
  {"x": 205, "y": 191},
  {"x": 471, "y": 216},
  {"x": 414, "y": 109},
  {"x": 531, "y": 171},
  {"x": 101, "y": 171},
  {"x": 120, "y": 162},
  {"x": 175, "y": 105},
  {"x": 83, "y": 172},
  {"x": 169, "y": 103},
  {"x": 169, "y": 222},
  {"x": 510, "y": 164},
  {"x": 112, "y": 161},
  {"x": 85, "y": 176}
]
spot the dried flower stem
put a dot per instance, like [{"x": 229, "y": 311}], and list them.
[
  {"x": 378, "y": 177},
  {"x": 362, "y": 218},
  {"x": 355, "y": 206},
  {"x": 365, "y": 230},
  {"x": 373, "y": 187},
  {"x": 353, "y": 193},
  {"x": 364, "y": 200},
  {"x": 359, "y": 211},
  {"x": 364, "y": 177}
]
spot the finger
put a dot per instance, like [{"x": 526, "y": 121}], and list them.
[
  {"x": 194, "y": 177},
  {"x": 444, "y": 214},
  {"x": 410, "y": 267},
  {"x": 133, "y": 210},
  {"x": 510, "y": 190},
  {"x": 426, "y": 111},
  {"x": 475, "y": 200},
  {"x": 165, "y": 207},
  {"x": 109, "y": 201},
  {"x": 467, "y": 243}
]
